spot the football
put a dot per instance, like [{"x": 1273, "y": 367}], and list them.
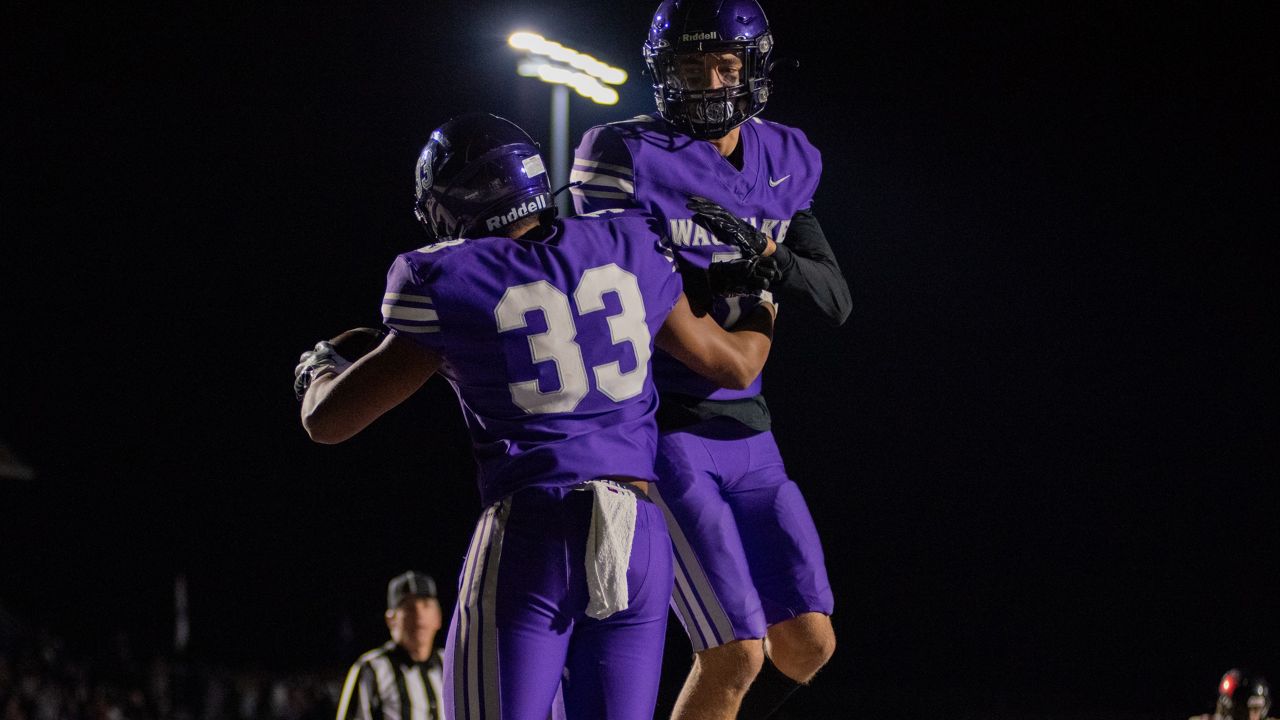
[{"x": 356, "y": 342}]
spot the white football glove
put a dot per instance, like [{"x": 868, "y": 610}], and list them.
[{"x": 323, "y": 360}]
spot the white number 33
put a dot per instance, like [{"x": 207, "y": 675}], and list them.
[{"x": 557, "y": 344}]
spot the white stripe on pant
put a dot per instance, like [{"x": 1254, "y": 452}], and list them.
[
  {"x": 475, "y": 671},
  {"x": 693, "y": 591}
]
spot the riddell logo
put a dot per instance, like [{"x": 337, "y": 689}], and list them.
[
  {"x": 517, "y": 212},
  {"x": 694, "y": 37}
]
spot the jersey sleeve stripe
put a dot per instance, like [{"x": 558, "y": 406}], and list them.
[
  {"x": 580, "y": 163},
  {"x": 600, "y": 194},
  {"x": 603, "y": 181},
  {"x": 399, "y": 312},
  {"x": 407, "y": 297},
  {"x": 413, "y": 329}
]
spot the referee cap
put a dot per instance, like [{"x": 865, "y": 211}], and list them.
[{"x": 410, "y": 583}]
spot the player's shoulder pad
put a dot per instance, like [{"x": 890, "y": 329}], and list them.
[
  {"x": 442, "y": 248},
  {"x": 623, "y": 133},
  {"x": 792, "y": 154},
  {"x": 425, "y": 264},
  {"x": 793, "y": 134},
  {"x": 792, "y": 138},
  {"x": 445, "y": 252},
  {"x": 605, "y": 146}
]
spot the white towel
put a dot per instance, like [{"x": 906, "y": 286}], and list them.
[{"x": 613, "y": 528}]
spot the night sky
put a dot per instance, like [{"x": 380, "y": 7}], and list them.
[{"x": 1042, "y": 454}]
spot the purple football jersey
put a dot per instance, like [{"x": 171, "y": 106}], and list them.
[
  {"x": 645, "y": 163},
  {"x": 547, "y": 344}
]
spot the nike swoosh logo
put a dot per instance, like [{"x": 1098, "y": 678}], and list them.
[{"x": 779, "y": 181}]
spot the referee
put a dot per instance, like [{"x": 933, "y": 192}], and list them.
[{"x": 402, "y": 679}]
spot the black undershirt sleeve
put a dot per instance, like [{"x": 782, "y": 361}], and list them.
[
  {"x": 810, "y": 274},
  {"x": 810, "y": 277}
]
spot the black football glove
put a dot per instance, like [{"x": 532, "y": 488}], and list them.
[
  {"x": 333, "y": 356},
  {"x": 695, "y": 284},
  {"x": 743, "y": 276},
  {"x": 726, "y": 228}
]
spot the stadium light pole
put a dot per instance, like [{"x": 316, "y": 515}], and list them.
[
  {"x": 560, "y": 144},
  {"x": 564, "y": 68}
]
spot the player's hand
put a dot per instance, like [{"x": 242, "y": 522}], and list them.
[
  {"x": 333, "y": 356},
  {"x": 728, "y": 229},
  {"x": 743, "y": 276},
  {"x": 321, "y": 360}
]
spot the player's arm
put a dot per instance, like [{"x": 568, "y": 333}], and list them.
[
  {"x": 732, "y": 359},
  {"x": 337, "y": 405},
  {"x": 808, "y": 271},
  {"x": 804, "y": 269}
]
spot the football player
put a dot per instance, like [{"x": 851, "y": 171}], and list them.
[
  {"x": 751, "y": 580},
  {"x": 545, "y": 329},
  {"x": 1240, "y": 697}
]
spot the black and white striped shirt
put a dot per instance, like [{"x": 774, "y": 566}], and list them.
[{"x": 386, "y": 684}]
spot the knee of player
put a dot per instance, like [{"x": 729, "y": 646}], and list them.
[
  {"x": 801, "y": 652},
  {"x": 813, "y": 652},
  {"x": 821, "y": 648}
]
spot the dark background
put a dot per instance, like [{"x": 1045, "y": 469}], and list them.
[{"x": 1042, "y": 453}]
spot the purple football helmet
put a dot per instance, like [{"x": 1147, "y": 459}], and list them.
[
  {"x": 477, "y": 174},
  {"x": 681, "y": 28}
]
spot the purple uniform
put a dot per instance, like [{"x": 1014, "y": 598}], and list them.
[
  {"x": 737, "y": 521},
  {"x": 643, "y": 163},
  {"x": 547, "y": 344}
]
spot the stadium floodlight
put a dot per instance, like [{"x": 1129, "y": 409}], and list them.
[
  {"x": 586, "y": 85},
  {"x": 564, "y": 68},
  {"x": 535, "y": 44}
]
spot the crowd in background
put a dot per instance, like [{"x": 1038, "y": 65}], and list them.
[{"x": 42, "y": 679}]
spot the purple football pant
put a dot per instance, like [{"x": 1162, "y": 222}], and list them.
[
  {"x": 520, "y": 627},
  {"x": 747, "y": 552}
]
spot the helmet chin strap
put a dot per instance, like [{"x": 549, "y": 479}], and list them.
[
  {"x": 566, "y": 186},
  {"x": 548, "y": 216}
]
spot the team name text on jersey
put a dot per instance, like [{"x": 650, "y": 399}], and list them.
[{"x": 687, "y": 232}]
